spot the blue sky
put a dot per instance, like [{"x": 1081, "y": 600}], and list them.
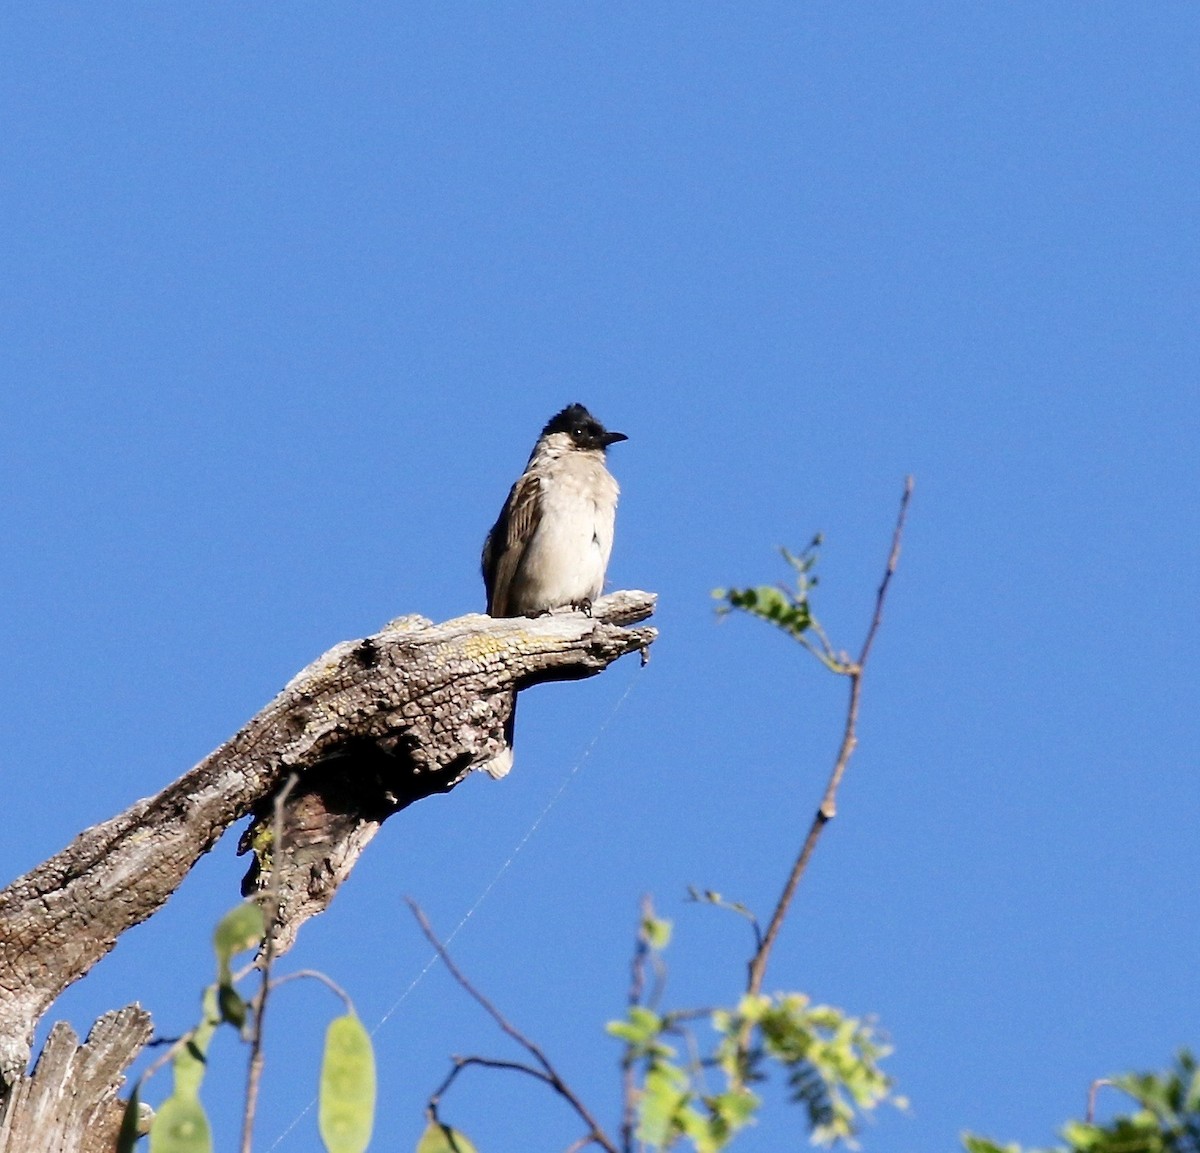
[{"x": 288, "y": 292}]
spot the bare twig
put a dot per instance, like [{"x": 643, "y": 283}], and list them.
[
  {"x": 699, "y": 1013},
  {"x": 828, "y": 808},
  {"x": 458, "y": 1064},
  {"x": 546, "y": 1073},
  {"x": 637, "y": 986},
  {"x": 175, "y": 1045},
  {"x": 1093, "y": 1091},
  {"x": 255, "y": 1068},
  {"x": 695, "y": 1059},
  {"x": 461, "y": 1063},
  {"x": 660, "y": 982},
  {"x": 582, "y": 1143},
  {"x": 316, "y": 975},
  {"x": 709, "y": 897}
]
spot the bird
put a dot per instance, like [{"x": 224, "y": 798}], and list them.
[{"x": 550, "y": 545}]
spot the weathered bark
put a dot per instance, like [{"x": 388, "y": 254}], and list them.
[
  {"x": 69, "y": 1103},
  {"x": 367, "y": 729}
]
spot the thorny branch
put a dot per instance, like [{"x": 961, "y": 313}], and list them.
[
  {"x": 544, "y": 1070},
  {"x": 828, "y": 807}
]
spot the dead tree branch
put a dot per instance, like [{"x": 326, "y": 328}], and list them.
[
  {"x": 370, "y": 727},
  {"x": 69, "y": 1102}
]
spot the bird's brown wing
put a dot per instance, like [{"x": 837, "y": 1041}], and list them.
[{"x": 505, "y": 544}]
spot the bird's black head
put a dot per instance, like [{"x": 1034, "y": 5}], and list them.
[{"x": 583, "y": 428}]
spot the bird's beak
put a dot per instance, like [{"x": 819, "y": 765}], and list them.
[{"x": 613, "y": 437}]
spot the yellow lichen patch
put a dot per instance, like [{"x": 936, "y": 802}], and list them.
[{"x": 480, "y": 646}]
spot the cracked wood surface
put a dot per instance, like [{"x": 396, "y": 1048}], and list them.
[
  {"x": 368, "y": 728},
  {"x": 69, "y": 1103}
]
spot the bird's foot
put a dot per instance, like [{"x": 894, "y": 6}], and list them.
[{"x": 584, "y": 606}]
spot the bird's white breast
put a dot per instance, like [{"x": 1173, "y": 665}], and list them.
[{"x": 565, "y": 560}]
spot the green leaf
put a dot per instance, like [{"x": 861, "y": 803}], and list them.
[
  {"x": 128, "y": 1134},
  {"x": 240, "y": 929},
  {"x": 642, "y": 1026},
  {"x": 664, "y": 1094},
  {"x": 231, "y": 1005},
  {"x": 191, "y": 1061},
  {"x": 771, "y": 604},
  {"x": 974, "y": 1144},
  {"x": 753, "y": 1006},
  {"x": 180, "y": 1126},
  {"x": 642, "y": 1033},
  {"x": 624, "y": 1031},
  {"x": 347, "y": 1099},
  {"x": 190, "y": 1064},
  {"x": 735, "y": 1108},
  {"x": 1168, "y": 1121},
  {"x": 778, "y": 605},
  {"x": 657, "y": 932},
  {"x": 442, "y": 1139}
]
